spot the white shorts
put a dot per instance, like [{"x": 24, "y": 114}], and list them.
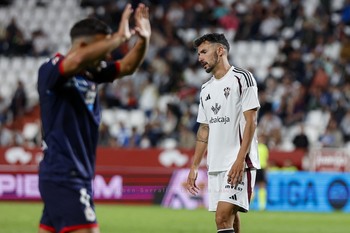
[{"x": 220, "y": 190}]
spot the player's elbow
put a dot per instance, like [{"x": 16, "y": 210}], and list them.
[{"x": 126, "y": 68}]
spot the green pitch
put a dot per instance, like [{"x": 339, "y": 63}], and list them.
[{"x": 23, "y": 218}]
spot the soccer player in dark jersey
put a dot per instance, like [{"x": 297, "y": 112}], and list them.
[{"x": 70, "y": 114}]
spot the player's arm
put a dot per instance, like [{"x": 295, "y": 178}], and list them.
[
  {"x": 80, "y": 58},
  {"x": 201, "y": 147},
  {"x": 236, "y": 173},
  {"x": 133, "y": 59}
]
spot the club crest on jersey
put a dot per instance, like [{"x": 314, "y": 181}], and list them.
[
  {"x": 216, "y": 108},
  {"x": 227, "y": 91}
]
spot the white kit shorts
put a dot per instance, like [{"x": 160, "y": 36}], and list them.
[{"x": 220, "y": 190}]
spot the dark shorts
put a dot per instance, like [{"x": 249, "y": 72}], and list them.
[
  {"x": 260, "y": 176},
  {"x": 66, "y": 207}
]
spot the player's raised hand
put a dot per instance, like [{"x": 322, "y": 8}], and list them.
[
  {"x": 191, "y": 181},
  {"x": 142, "y": 23},
  {"x": 124, "y": 29}
]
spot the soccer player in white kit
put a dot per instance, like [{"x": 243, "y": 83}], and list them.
[{"x": 228, "y": 117}]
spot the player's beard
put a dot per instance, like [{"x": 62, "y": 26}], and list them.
[{"x": 211, "y": 67}]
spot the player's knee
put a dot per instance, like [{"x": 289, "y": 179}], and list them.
[{"x": 223, "y": 221}]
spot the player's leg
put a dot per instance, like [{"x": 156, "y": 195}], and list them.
[
  {"x": 262, "y": 193},
  {"x": 233, "y": 199},
  {"x": 237, "y": 223},
  {"x": 225, "y": 217}
]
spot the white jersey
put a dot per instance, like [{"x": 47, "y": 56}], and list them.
[{"x": 222, "y": 103}]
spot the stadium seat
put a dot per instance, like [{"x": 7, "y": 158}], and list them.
[
  {"x": 30, "y": 130},
  {"x": 108, "y": 116},
  {"x": 271, "y": 47},
  {"x": 137, "y": 119}
]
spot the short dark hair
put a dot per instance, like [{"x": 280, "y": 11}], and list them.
[
  {"x": 89, "y": 27},
  {"x": 212, "y": 38}
]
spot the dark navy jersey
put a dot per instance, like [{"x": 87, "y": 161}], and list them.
[{"x": 70, "y": 115}]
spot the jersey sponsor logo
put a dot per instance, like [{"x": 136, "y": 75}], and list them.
[
  {"x": 227, "y": 92},
  {"x": 218, "y": 119},
  {"x": 208, "y": 97},
  {"x": 87, "y": 89},
  {"x": 233, "y": 197},
  {"x": 216, "y": 108}
]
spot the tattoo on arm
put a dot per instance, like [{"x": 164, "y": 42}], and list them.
[{"x": 203, "y": 133}]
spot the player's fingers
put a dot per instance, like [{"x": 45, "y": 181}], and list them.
[
  {"x": 127, "y": 11},
  {"x": 240, "y": 177},
  {"x": 145, "y": 12},
  {"x": 191, "y": 186},
  {"x": 194, "y": 190},
  {"x": 139, "y": 11},
  {"x": 137, "y": 30},
  {"x": 229, "y": 179}
]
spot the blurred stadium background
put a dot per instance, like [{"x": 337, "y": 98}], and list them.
[{"x": 299, "y": 52}]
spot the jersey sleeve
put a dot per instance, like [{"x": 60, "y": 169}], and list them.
[
  {"x": 201, "y": 117},
  {"x": 50, "y": 73},
  {"x": 106, "y": 72},
  {"x": 250, "y": 99}
]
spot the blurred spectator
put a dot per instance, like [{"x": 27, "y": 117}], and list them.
[
  {"x": 345, "y": 13},
  {"x": 332, "y": 137},
  {"x": 345, "y": 126},
  {"x": 261, "y": 176},
  {"x": 170, "y": 120},
  {"x": 271, "y": 125},
  {"x": 270, "y": 25},
  {"x": 41, "y": 43},
  {"x": 16, "y": 43},
  {"x": 135, "y": 138},
  {"x": 229, "y": 20},
  {"x": 148, "y": 97},
  {"x": 187, "y": 138},
  {"x": 105, "y": 138},
  {"x": 3, "y": 44},
  {"x": 4, "y": 104},
  {"x": 131, "y": 100},
  {"x": 19, "y": 101},
  {"x": 194, "y": 77},
  {"x": 151, "y": 136},
  {"x": 301, "y": 140},
  {"x": 32, "y": 134},
  {"x": 126, "y": 94},
  {"x": 122, "y": 138},
  {"x": 109, "y": 97},
  {"x": 6, "y": 136}
]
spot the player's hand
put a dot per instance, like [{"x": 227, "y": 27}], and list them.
[
  {"x": 235, "y": 175},
  {"x": 191, "y": 182},
  {"x": 142, "y": 23},
  {"x": 124, "y": 29}
]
